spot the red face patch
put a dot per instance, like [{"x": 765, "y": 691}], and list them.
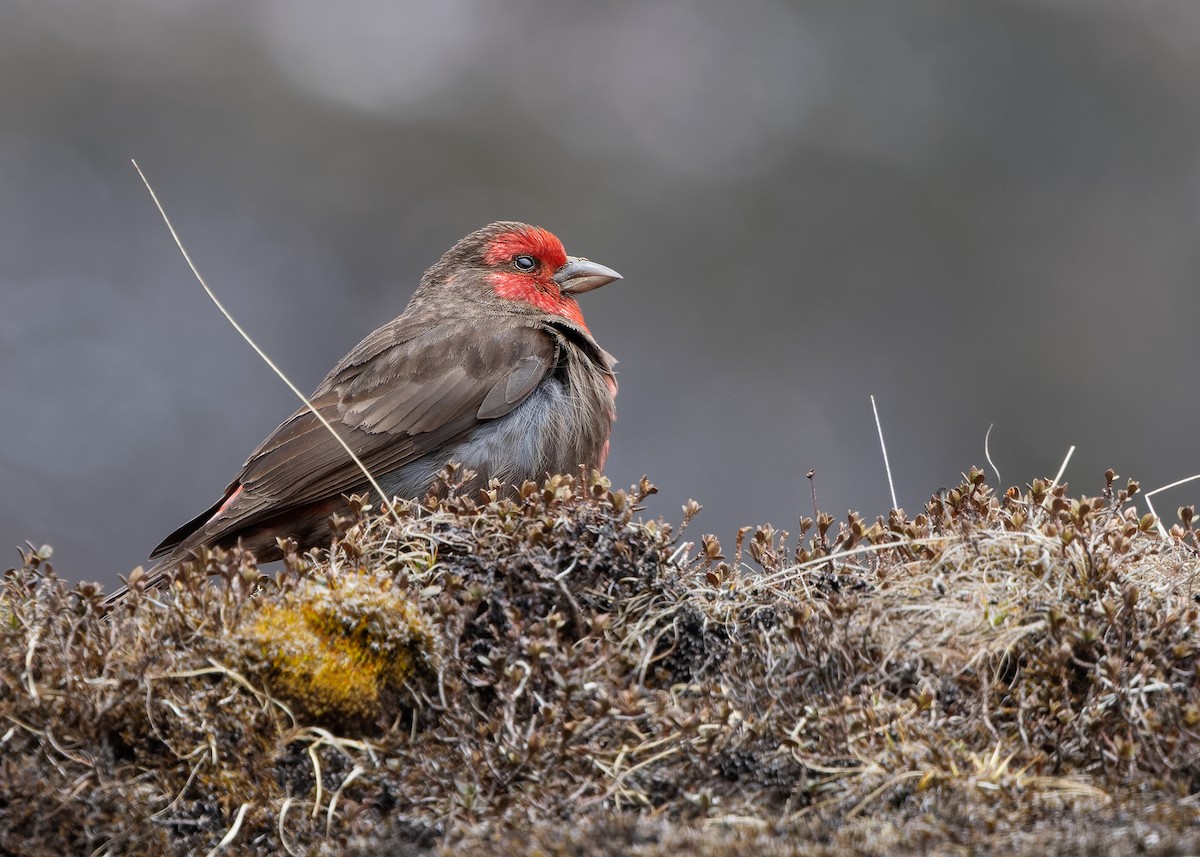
[
  {"x": 534, "y": 241},
  {"x": 536, "y": 286}
]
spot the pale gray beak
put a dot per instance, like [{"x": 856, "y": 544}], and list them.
[{"x": 582, "y": 275}]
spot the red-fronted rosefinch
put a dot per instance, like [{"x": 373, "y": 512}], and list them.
[{"x": 490, "y": 365}]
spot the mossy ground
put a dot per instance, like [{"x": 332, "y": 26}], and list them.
[{"x": 1015, "y": 673}]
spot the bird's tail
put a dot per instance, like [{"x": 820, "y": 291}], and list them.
[{"x": 145, "y": 578}]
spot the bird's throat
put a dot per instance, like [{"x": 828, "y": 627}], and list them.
[{"x": 546, "y": 297}]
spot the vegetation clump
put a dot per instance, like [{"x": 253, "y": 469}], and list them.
[{"x": 548, "y": 674}]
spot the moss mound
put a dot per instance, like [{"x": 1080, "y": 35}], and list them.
[{"x": 550, "y": 675}]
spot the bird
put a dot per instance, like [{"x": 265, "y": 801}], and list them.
[{"x": 490, "y": 366}]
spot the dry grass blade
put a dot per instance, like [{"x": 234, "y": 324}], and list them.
[
  {"x": 1162, "y": 531},
  {"x": 883, "y": 448},
  {"x": 233, "y": 831},
  {"x": 383, "y": 497},
  {"x": 987, "y": 453}
]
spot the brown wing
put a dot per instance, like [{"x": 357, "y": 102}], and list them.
[{"x": 454, "y": 375}]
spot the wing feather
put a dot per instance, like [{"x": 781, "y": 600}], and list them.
[{"x": 453, "y": 378}]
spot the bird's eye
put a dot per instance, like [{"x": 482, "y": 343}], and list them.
[{"x": 525, "y": 263}]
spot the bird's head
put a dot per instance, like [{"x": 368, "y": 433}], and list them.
[{"x": 525, "y": 267}]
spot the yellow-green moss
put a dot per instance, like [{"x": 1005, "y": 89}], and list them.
[{"x": 332, "y": 650}]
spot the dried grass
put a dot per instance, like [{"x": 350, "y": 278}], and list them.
[{"x": 551, "y": 675}]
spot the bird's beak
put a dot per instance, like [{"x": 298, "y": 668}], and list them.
[{"x": 583, "y": 275}]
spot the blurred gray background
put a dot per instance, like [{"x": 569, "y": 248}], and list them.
[{"x": 981, "y": 212}]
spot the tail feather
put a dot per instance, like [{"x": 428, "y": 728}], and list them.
[
  {"x": 257, "y": 533},
  {"x": 167, "y": 545},
  {"x": 176, "y": 547},
  {"x": 150, "y": 578}
]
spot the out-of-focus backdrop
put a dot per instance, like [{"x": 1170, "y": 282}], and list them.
[{"x": 983, "y": 212}]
